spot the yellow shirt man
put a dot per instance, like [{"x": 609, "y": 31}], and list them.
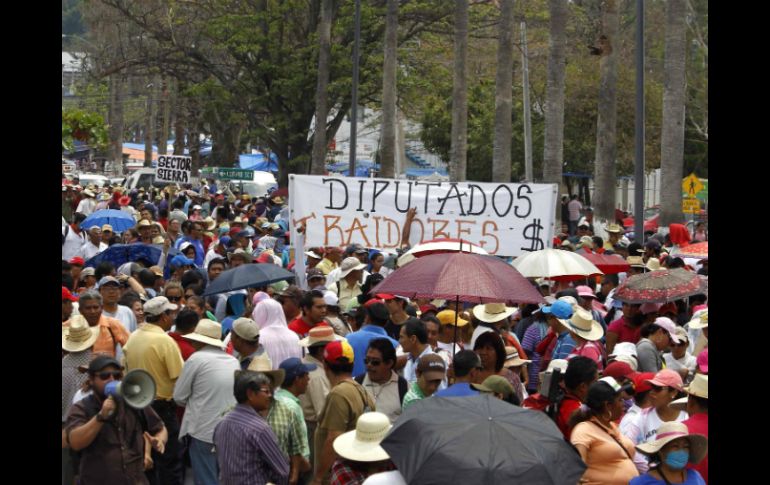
[{"x": 149, "y": 348}]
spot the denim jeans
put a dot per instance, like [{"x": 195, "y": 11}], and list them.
[{"x": 204, "y": 462}]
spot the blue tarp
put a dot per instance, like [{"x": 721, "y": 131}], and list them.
[
  {"x": 138, "y": 146},
  {"x": 258, "y": 162},
  {"x": 362, "y": 168},
  {"x": 424, "y": 172}
]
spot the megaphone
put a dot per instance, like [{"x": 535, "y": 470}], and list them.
[{"x": 137, "y": 389}]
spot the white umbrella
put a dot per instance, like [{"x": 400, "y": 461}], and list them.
[
  {"x": 441, "y": 245},
  {"x": 554, "y": 263}
]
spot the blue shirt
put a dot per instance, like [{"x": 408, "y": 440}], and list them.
[
  {"x": 360, "y": 342},
  {"x": 461, "y": 389},
  {"x": 693, "y": 478},
  {"x": 564, "y": 346}
]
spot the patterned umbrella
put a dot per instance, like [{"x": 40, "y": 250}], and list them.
[
  {"x": 661, "y": 286},
  {"x": 436, "y": 246},
  {"x": 696, "y": 251},
  {"x": 608, "y": 264},
  {"x": 555, "y": 264}
]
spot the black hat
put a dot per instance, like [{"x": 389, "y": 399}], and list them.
[{"x": 101, "y": 362}]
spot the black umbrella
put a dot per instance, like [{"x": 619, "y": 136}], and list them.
[
  {"x": 247, "y": 276},
  {"x": 480, "y": 439}
]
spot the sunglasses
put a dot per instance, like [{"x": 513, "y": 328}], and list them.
[
  {"x": 174, "y": 298},
  {"x": 117, "y": 375},
  {"x": 374, "y": 362}
]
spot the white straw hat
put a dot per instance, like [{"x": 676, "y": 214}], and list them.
[
  {"x": 670, "y": 431},
  {"x": 583, "y": 325},
  {"x": 262, "y": 363},
  {"x": 350, "y": 264},
  {"x": 208, "y": 332},
  {"x": 512, "y": 358},
  {"x": 78, "y": 336},
  {"x": 363, "y": 443},
  {"x": 699, "y": 320},
  {"x": 492, "y": 312}
]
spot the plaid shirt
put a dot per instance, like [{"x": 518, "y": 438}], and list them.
[
  {"x": 344, "y": 474},
  {"x": 288, "y": 423}
]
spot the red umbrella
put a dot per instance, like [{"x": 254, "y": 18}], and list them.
[
  {"x": 660, "y": 286},
  {"x": 440, "y": 245},
  {"x": 460, "y": 276},
  {"x": 696, "y": 251},
  {"x": 608, "y": 264}
]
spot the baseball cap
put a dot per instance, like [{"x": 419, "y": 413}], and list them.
[
  {"x": 246, "y": 328},
  {"x": 225, "y": 240},
  {"x": 669, "y": 326},
  {"x": 618, "y": 370},
  {"x": 331, "y": 299},
  {"x": 667, "y": 378},
  {"x": 388, "y": 296},
  {"x": 158, "y": 305},
  {"x": 101, "y": 362},
  {"x": 77, "y": 261},
  {"x": 641, "y": 381},
  {"x": 447, "y": 317},
  {"x": 669, "y": 307},
  {"x": 429, "y": 308},
  {"x": 107, "y": 228},
  {"x": 559, "y": 309},
  {"x": 497, "y": 384},
  {"x": 339, "y": 352},
  {"x": 106, "y": 280},
  {"x": 314, "y": 274},
  {"x": 294, "y": 368},
  {"x": 292, "y": 291},
  {"x": 585, "y": 291},
  {"x": 313, "y": 255},
  {"x": 67, "y": 295},
  {"x": 432, "y": 366},
  {"x": 181, "y": 260}
]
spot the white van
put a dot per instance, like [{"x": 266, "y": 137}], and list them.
[
  {"x": 145, "y": 177},
  {"x": 259, "y": 186},
  {"x": 92, "y": 179}
]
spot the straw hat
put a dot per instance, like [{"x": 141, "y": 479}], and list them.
[
  {"x": 512, "y": 358},
  {"x": 79, "y": 336},
  {"x": 210, "y": 223},
  {"x": 447, "y": 317},
  {"x": 653, "y": 264},
  {"x": 583, "y": 325},
  {"x": 700, "y": 320},
  {"x": 350, "y": 264},
  {"x": 635, "y": 261},
  {"x": 262, "y": 363},
  {"x": 208, "y": 332},
  {"x": 319, "y": 335},
  {"x": 614, "y": 229},
  {"x": 699, "y": 387},
  {"x": 670, "y": 431},
  {"x": 492, "y": 312},
  {"x": 363, "y": 443}
]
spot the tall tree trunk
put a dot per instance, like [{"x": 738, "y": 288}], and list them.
[
  {"x": 180, "y": 115},
  {"x": 501, "y": 152},
  {"x": 388, "y": 142},
  {"x": 318, "y": 164},
  {"x": 672, "y": 136},
  {"x": 553, "y": 152},
  {"x": 149, "y": 124},
  {"x": 194, "y": 146},
  {"x": 606, "y": 146},
  {"x": 163, "y": 115},
  {"x": 116, "y": 121},
  {"x": 458, "y": 152}
]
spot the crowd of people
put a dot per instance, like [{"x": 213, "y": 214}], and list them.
[{"x": 299, "y": 383}]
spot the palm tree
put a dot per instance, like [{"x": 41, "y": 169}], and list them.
[
  {"x": 458, "y": 152},
  {"x": 501, "y": 152},
  {"x": 606, "y": 146},
  {"x": 672, "y": 125},
  {"x": 388, "y": 145}
]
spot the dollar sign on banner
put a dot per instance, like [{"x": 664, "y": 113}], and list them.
[{"x": 532, "y": 233}]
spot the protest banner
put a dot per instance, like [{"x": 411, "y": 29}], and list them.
[
  {"x": 173, "y": 168},
  {"x": 503, "y": 219}
]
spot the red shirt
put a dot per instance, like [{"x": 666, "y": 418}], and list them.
[
  {"x": 163, "y": 221},
  {"x": 699, "y": 424},
  {"x": 301, "y": 328},
  {"x": 184, "y": 346},
  {"x": 569, "y": 404},
  {"x": 624, "y": 331}
]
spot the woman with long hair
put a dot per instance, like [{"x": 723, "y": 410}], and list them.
[
  {"x": 489, "y": 346},
  {"x": 606, "y": 452}
]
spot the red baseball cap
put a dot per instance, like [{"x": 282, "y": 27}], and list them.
[
  {"x": 428, "y": 308},
  {"x": 67, "y": 295},
  {"x": 385, "y": 296},
  {"x": 338, "y": 352},
  {"x": 640, "y": 381},
  {"x": 78, "y": 261},
  {"x": 618, "y": 370},
  {"x": 371, "y": 302}
]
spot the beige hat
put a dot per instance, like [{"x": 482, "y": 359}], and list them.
[
  {"x": 700, "y": 320},
  {"x": 106, "y": 228},
  {"x": 699, "y": 386},
  {"x": 156, "y": 270},
  {"x": 492, "y": 312},
  {"x": 238, "y": 220},
  {"x": 363, "y": 443},
  {"x": 614, "y": 229},
  {"x": 158, "y": 240},
  {"x": 512, "y": 358},
  {"x": 158, "y": 305},
  {"x": 246, "y": 328},
  {"x": 78, "y": 336},
  {"x": 262, "y": 363},
  {"x": 210, "y": 223},
  {"x": 320, "y": 335},
  {"x": 585, "y": 241},
  {"x": 670, "y": 431},
  {"x": 144, "y": 223},
  {"x": 682, "y": 334},
  {"x": 87, "y": 272},
  {"x": 350, "y": 264},
  {"x": 635, "y": 261},
  {"x": 653, "y": 264},
  {"x": 88, "y": 193},
  {"x": 583, "y": 325},
  {"x": 208, "y": 332}
]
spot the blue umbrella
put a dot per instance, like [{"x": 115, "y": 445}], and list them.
[
  {"x": 119, "y": 220},
  {"x": 119, "y": 254},
  {"x": 247, "y": 276}
]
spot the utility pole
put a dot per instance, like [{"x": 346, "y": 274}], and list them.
[
  {"x": 354, "y": 97},
  {"x": 527, "y": 115},
  {"x": 639, "y": 128}
]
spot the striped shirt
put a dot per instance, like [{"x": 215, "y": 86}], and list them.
[
  {"x": 534, "y": 334},
  {"x": 564, "y": 345},
  {"x": 247, "y": 450}
]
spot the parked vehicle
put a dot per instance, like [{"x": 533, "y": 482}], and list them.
[{"x": 652, "y": 219}]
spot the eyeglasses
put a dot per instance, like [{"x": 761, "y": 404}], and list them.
[
  {"x": 118, "y": 375},
  {"x": 374, "y": 362},
  {"x": 173, "y": 298}
]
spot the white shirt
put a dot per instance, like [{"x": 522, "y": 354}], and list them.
[
  {"x": 645, "y": 425},
  {"x": 125, "y": 316},
  {"x": 688, "y": 361},
  {"x": 205, "y": 388},
  {"x": 385, "y": 396},
  {"x": 393, "y": 477},
  {"x": 86, "y": 206},
  {"x": 410, "y": 369},
  {"x": 210, "y": 256},
  {"x": 89, "y": 250},
  {"x": 73, "y": 243}
]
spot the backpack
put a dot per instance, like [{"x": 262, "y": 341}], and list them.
[{"x": 403, "y": 386}]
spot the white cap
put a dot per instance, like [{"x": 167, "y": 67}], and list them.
[{"x": 331, "y": 299}]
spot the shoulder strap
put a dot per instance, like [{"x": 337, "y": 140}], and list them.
[
  {"x": 616, "y": 440},
  {"x": 338, "y": 288},
  {"x": 368, "y": 403},
  {"x": 360, "y": 379}
]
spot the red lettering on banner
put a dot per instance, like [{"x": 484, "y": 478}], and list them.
[
  {"x": 391, "y": 223},
  {"x": 484, "y": 233},
  {"x": 437, "y": 233},
  {"x": 460, "y": 229},
  {"x": 357, "y": 226},
  {"x": 377, "y": 230},
  {"x": 422, "y": 230},
  {"x": 303, "y": 221},
  {"x": 328, "y": 228}
]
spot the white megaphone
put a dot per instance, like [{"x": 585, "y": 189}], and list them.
[{"x": 137, "y": 389}]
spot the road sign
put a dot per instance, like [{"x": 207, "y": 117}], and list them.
[
  {"x": 691, "y": 185},
  {"x": 223, "y": 173},
  {"x": 690, "y": 205}
]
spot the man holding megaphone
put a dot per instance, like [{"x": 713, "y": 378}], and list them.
[{"x": 110, "y": 427}]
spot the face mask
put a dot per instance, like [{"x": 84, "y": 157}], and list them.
[{"x": 678, "y": 459}]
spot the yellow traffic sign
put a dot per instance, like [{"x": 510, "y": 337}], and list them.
[
  {"x": 690, "y": 205},
  {"x": 691, "y": 185}
]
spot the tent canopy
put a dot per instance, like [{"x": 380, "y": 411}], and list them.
[{"x": 258, "y": 162}]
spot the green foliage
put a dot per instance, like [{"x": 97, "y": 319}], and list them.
[{"x": 84, "y": 126}]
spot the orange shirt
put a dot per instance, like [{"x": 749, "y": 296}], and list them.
[
  {"x": 608, "y": 463},
  {"x": 108, "y": 327}
]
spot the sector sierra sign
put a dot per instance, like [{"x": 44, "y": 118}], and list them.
[
  {"x": 173, "y": 168},
  {"x": 504, "y": 219}
]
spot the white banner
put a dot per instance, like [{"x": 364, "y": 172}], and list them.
[
  {"x": 503, "y": 219},
  {"x": 173, "y": 168}
]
